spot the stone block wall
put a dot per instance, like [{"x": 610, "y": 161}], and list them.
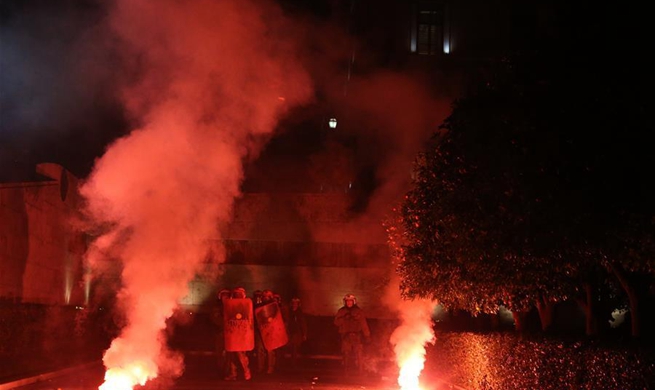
[
  {"x": 324, "y": 217},
  {"x": 40, "y": 252},
  {"x": 305, "y": 245},
  {"x": 321, "y": 289}
]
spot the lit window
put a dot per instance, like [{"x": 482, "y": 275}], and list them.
[
  {"x": 428, "y": 35},
  {"x": 430, "y": 32}
]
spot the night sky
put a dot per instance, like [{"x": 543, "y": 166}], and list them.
[{"x": 62, "y": 70}]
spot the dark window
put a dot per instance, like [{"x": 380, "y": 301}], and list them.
[{"x": 428, "y": 28}]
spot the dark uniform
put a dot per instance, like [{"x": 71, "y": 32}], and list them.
[
  {"x": 265, "y": 358},
  {"x": 297, "y": 328},
  {"x": 217, "y": 319},
  {"x": 353, "y": 329}
]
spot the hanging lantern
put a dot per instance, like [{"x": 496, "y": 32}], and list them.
[{"x": 332, "y": 123}]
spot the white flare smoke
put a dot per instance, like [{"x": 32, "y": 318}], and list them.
[
  {"x": 410, "y": 338},
  {"x": 206, "y": 79}
]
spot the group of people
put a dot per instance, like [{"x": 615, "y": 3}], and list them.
[
  {"x": 255, "y": 329},
  {"x": 258, "y": 328}
]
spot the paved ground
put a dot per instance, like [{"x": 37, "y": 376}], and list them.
[{"x": 200, "y": 373}]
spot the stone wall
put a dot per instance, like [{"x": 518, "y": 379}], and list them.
[
  {"x": 35, "y": 338},
  {"x": 305, "y": 245},
  {"x": 321, "y": 289},
  {"x": 40, "y": 253},
  {"x": 324, "y": 217}
]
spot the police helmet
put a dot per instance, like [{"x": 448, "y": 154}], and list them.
[{"x": 350, "y": 297}]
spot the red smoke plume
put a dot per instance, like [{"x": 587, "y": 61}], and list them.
[{"x": 204, "y": 83}]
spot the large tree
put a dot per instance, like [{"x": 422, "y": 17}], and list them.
[{"x": 531, "y": 193}]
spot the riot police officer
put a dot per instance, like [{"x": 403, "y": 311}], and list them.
[
  {"x": 353, "y": 329},
  {"x": 240, "y": 342}
]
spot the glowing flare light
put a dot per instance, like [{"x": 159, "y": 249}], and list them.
[
  {"x": 409, "y": 341},
  {"x": 410, "y": 370},
  {"x": 125, "y": 378}
]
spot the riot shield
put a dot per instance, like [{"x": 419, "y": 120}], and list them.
[
  {"x": 239, "y": 328},
  {"x": 271, "y": 326}
]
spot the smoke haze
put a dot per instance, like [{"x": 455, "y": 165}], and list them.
[
  {"x": 208, "y": 83},
  {"x": 385, "y": 111},
  {"x": 202, "y": 84}
]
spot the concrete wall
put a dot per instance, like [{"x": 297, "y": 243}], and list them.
[
  {"x": 321, "y": 289},
  {"x": 305, "y": 245},
  {"x": 40, "y": 253},
  {"x": 320, "y": 217}
]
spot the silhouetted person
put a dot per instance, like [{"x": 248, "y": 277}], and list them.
[
  {"x": 353, "y": 329},
  {"x": 265, "y": 358},
  {"x": 217, "y": 319},
  {"x": 297, "y": 329}
]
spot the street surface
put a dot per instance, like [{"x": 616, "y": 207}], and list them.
[{"x": 201, "y": 373}]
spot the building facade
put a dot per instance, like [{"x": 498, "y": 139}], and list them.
[
  {"x": 40, "y": 250},
  {"x": 304, "y": 245}
]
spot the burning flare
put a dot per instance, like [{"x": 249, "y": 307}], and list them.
[
  {"x": 409, "y": 341},
  {"x": 125, "y": 378},
  {"x": 204, "y": 97}
]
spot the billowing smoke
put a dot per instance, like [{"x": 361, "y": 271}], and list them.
[
  {"x": 410, "y": 338},
  {"x": 393, "y": 115},
  {"x": 385, "y": 109},
  {"x": 385, "y": 113},
  {"x": 208, "y": 82}
]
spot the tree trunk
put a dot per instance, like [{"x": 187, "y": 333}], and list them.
[
  {"x": 591, "y": 326},
  {"x": 495, "y": 320},
  {"x": 634, "y": 312},
  {"x": 519, "y": 320},
  {"x": 587, "y": 305},
  {"x": 633, "y": 298},
  {"x": 545, "y": 308}
]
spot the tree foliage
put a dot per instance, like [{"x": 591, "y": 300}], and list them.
[{"x": 534, "y": 185}]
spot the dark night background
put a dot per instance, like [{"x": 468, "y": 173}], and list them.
[
  {"x": 59, "y": 103},
  {"x": 563, "y": 86}
]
